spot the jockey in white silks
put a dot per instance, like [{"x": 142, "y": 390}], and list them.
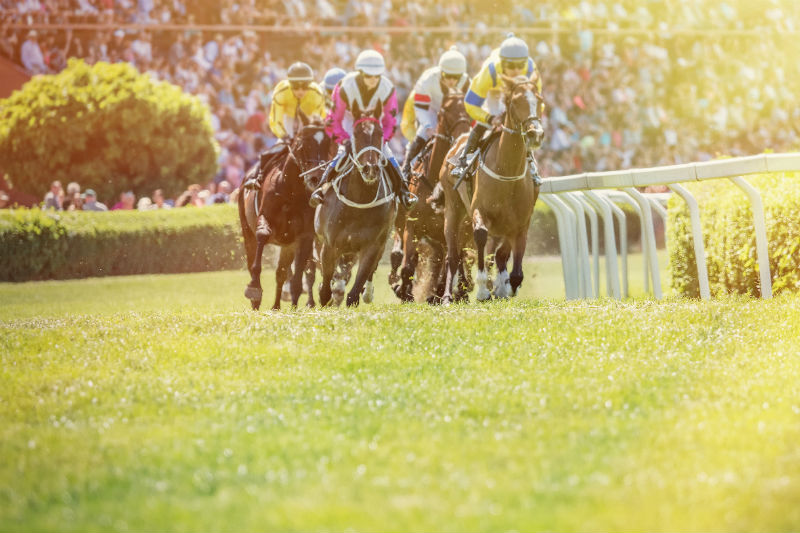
[
  {"x": 428, "y": 94},
  {"x": 365, "y": 91}
]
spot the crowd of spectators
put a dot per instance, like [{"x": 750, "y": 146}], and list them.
[{"x": 626, "y": 83}]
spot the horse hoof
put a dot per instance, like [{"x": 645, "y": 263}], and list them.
[
  {"x": 255, "y": 304},
  {"x": 253, "y": 293},
  {"x": 434, "y": 300}
]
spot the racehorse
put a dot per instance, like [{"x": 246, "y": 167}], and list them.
[
  {"x": 278, "y": 213},
  {"x": 503, "y": 195},
  {"x": 358, "y": 209},
  {"x": 424, "y": 222}
]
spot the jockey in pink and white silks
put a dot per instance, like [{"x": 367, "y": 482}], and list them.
[
  {"x": 449, "y": 74},
  {"x": 365, "y": 92}
]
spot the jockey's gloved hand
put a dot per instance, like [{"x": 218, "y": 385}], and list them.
[
  {"x": 495, "y": 121},
  {"x": 413, "y": 149}
]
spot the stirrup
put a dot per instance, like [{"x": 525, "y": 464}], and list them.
[
  {"x": 459, "y": 171},
  {"x": 408, "y": 199},
  {"x": 316, "y": 197}
]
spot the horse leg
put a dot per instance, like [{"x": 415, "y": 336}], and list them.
[
  {"x": 310, "y": 275},
  {"x": 253, "y": 291},
  {"x": 437, "y": 262},
  {"x": 396, "y": 258},
  {"x": 481, "y": 235},
  {"x": 301, "y": 256},
  {"x": 520, "y": 242},
  {"x": 410, "y": 258},
  {"x": 501, "y": 286},
  {"x": 341, "y": 278},
  {"x": 282, "y": 272},
  {"x": 367, "y": 263},
  {"x": 368, "y": 293},
  {"x": 327, "y": 262},
  {"x": 452, "y": 221}
]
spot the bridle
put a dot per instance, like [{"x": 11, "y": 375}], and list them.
[
  {"x": 449, "y": 139},
  {"x": 355, "y": 158},
  {"x": 522, "y": 126},
  {"x": 306, "y": 167}
]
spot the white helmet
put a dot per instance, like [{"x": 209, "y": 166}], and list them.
[
  {"x": 453, "y": 62},
  {"x": 370, "y": 62},
  {"x": 513, "y": 48}
]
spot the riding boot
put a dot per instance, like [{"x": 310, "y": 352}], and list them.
[
  {"x": 474, "y": 138},
  {"x": 413, "y": 149},
  {"x": 316, "y": 196},
  {"x": 407, "y": 198},
  {"x": 533, "y": 170}
]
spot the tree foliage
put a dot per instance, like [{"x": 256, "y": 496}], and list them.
[{"x": 109, "y": 128}]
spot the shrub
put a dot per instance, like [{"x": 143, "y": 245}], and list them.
[
  {"x": 48, "y": 245},
  {"x": 109, "y": 128},
  {"x": 729, "y": 237}
]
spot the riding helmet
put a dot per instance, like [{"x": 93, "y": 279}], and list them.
[
  {"x": 371, "y": 63},
  {"x": 332, "y": 77},
  {"x": 453, "y": 62},
  {"x": 300, "y": 71},
  {"x": 513, "y": 48}
]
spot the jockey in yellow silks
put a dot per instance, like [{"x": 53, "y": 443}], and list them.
[
  {"x": 428, "y": 94},
  {"x": 296, "y": 93},
  {"x": 484, "y": 100}
]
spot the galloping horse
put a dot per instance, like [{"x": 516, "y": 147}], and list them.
[
  {"x": 279, "y": 213},
  {"x": 424, "y": 222},
  {"x": 503, "y": 198},
  {"x": 358, "y": 209}
]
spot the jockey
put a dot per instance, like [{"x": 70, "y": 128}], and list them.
[
  {"x": 329, "y": 82},
  {"x": 292, "y": 95},
  {"x": 451, "y": 73},
  {"x": 365, "y": 90},
  {"x": 510, "y": 60}
]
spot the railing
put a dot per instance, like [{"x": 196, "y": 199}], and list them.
[{"x": 574, "y": 197}]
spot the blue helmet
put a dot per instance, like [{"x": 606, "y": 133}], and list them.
[{"x": 332, "y": 77}]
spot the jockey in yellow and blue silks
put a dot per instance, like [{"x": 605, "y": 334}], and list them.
[
  {"x": 364, "y": 91},
  {"x": 484, "y": 98},
  {"x": 428, "y": 94}
]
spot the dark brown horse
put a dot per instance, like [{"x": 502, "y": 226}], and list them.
[
  {"x": 424, "y": 223},
  {"x": 279, "y": 214},
  {"x": 503, "y": 196},
  {"x": 358, "y": 210}
]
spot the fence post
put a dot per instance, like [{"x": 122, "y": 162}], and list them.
[
  {"x": 761, "y": 235},
  {"x": 650, "y": 243},
  {"x": 697, "y": 239}
]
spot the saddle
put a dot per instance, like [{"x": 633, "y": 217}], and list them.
[{"x": 483, "y": 147}]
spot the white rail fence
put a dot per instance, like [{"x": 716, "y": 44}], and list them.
[{"x": 596, "y": 195}]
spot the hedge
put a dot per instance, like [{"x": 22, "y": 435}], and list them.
[
  {"x": 729, "y": 237},
  {"x": 39, "y": 245}
]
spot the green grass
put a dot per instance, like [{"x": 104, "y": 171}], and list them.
[{"x": 162, "y": 403}]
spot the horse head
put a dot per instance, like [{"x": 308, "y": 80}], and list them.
[
  {"x": 368, "y": 146},
  {"x": 310, "y": 148},
  {"x": 453, "y": 118},
  {"x": 524, "y": 106}
]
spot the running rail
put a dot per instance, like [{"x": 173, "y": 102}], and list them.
[{"x": 597, "y": 194}]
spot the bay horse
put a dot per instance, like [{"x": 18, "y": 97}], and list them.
[
  {"x": 278, "y": 213},
  {"x": 503, "y": 195},
  {"x": 424, "y": 222},
  {"x": 358, "y": 209}
]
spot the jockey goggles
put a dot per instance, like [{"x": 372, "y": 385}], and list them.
[
  {"x": 299, "y": 84},
  {"x": 451, "y": 76},
  {"x": 514, "y": 64}
]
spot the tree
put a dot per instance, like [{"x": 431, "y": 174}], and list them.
[{"x": 109, "y": 128}]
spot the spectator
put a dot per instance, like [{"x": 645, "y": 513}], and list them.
[
  {"x": 90, "y": 202},
  {"x": 158, "y": 200},
  {"x": 73, "y": 200},
  {"x": 127, "y": 200},
  {"x": 54, "y": 199},
  {"x": 32, "y": 56},
  {"x": 4, "y": 200}
]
